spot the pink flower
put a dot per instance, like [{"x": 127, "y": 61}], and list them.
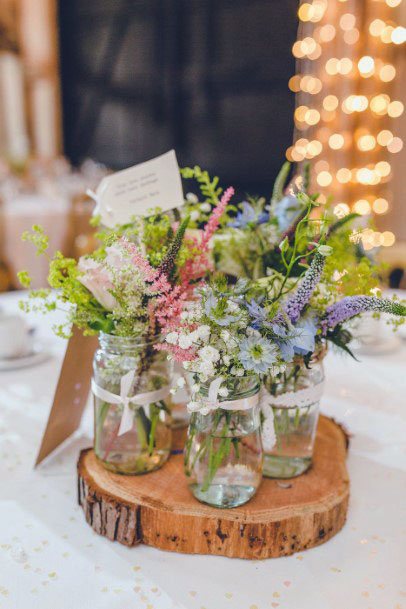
[
  {"x": 142, "y": 264},
  {"x": 214, "y": 219},
  {"x": 179, "y": 355},
  {"x": 97, "y": 278}
]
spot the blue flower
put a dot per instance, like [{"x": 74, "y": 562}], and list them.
[
  {"x": 287, "y": 210},
  {"x": 248, "y": 215},
  {"x": 211, "y": 310},
  {"x": 302, "y": 340},
  {"x": 257, "y": 354},
  {"x": 258, "y": 314}
]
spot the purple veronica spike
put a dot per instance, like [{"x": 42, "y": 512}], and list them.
[
  {"x": 300, "y": 299},
  {"x": 354, "y": 305}
]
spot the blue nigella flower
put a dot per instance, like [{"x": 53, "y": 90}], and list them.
[
  {"x": 300, "y": 342},
  {"x": 287, "y": 210},
  {"x": 258, "y": 314},
  {"x": 210, "y": 308},
  {"x": 257, "y": 354},
  {"x": 248, "y": 215}
]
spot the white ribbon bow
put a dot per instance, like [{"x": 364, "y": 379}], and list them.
[
  {"x": 141, "y": 399},
  {"x": 204, "y": 406}
]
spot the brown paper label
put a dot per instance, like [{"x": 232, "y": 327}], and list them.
[{"x": 71, "y": 393}]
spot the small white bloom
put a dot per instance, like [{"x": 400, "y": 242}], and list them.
[
  {"x": 226, "y": 360},
  {"x": 194, "y": 406},
  {"x": 203, "y": 332},
  {"x": 194, "y": 216},
  {"x": 195, "y": 387},
  {"x": 180, "y": 382},
  {"x": 186, "y": 365},
  {"x": 206, "y": 368},
  {"x": 172, "y": 338},
  {"x": 209, "y": 354},
  {"x": 191, "y": 197},
  {"x": 184, "y": 315},
  {"x": 232, "y": 307},
  {"x": 225, "y": 335},
  {"x": 185, "y": 341},
  {"x": 205, "y": 207},
  {"x": 223, "y": 391}
]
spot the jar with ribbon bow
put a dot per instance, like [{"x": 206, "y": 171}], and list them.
[
  {"x": 131, "y": 389},
  {"x": 290, "y": 410},
  {"x": 223, "y": 452}
]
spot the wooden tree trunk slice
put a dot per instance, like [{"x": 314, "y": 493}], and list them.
[{"x": 158, "y": 509}]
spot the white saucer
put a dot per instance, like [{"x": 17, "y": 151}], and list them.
[{"x": 35, "y": 357}]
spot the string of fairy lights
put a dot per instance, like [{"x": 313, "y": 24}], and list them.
[{"x": 345, "y": 106}]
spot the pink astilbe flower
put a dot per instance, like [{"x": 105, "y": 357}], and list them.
[
  {"x": 179, "y": 355},
  {"x": 214, "y": 220},
  {"x": 148, "y": 272},
  {"x": 169, "y": 307},
  {"x": 161, "y": 284}
]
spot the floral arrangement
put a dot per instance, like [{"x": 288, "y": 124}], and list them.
[{"x": 132, "y": 285}]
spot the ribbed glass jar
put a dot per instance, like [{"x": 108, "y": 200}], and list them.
[
  {"x": 223, "y": 453},
  {"x": 145, "y": 443},
  {"x": 295, "y": 418}
]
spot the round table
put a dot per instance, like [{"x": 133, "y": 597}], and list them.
[{"x": 49, "y": 557}]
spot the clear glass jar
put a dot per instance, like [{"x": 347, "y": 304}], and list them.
[
  {"x": 223, "y": 452},
  {"x": 295, "y": 418},
  {"x": 145, "y": 443}
]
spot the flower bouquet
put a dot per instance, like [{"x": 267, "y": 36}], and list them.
[{"x": 128, "y": 291}]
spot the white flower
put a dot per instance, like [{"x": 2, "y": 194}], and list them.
[
  {"x": 225, "y": 335},
  {"x": 195, "y": 387},
  {"x": 185, "y": 341},
  {"x": 180, "y": 382},
  {"x": 186, "y": 365},
  {"x": 191, "y": 197},
  {"x": 206, "y": 368},
  {"x": 98, "y": 279},
  {"x": 184, "y": 315},
  {"x": 237, "y": 371},
  {"x": 232, "y": 307},
  {"x": 203, "y": 333},
  {"x": 205, "y": 207},
  {"x": 194, "y": 215},
  {"x": 193, "y": 406},
  {"x": 226, "y": 360},
  {"x": 172, "y": 338},
  {"x": 209, "y": 354},
  {"x": 223, "y": 391}
]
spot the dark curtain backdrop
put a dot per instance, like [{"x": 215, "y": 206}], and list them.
[{"x": 206, "y": 77}]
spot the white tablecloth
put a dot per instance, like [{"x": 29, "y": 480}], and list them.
[{"x": 50, "y": 558}]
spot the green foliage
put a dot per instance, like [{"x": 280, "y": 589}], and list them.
[
  {"x": 208, "y": 187},
  {"x": 280, "y": 182},
  {"x": 38, "y": 238},
  {"x": 24, "y": 279}
]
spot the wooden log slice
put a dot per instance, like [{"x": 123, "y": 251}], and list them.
[{"x": 158, "y": 509}]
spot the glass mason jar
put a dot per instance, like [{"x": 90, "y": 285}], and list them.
[
  {"x": 293, "y": 413},
  {"x": 131, "y": 382},
  {"x": 223, "y": 452}
]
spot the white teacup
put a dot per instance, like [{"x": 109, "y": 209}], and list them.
[{"x": 15, "y": 337}]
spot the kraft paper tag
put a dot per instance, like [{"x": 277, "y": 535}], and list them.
[
  {"x": 133, "y": 191},
  {"x": 71, "y": 393}
]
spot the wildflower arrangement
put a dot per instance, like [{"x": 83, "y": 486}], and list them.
[{"x": 135, "y": 283}]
